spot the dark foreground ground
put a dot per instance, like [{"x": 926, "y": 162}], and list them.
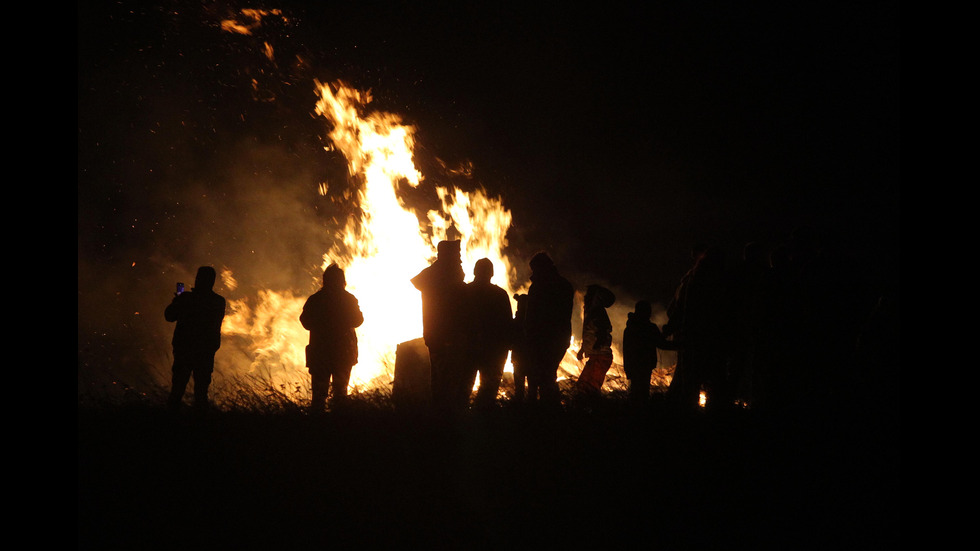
[{"x": 374, "y": 478}]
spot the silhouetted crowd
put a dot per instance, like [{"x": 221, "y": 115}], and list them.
[
  {"x": 469, "y": 329},
  {"x": 775, "y": 330},
  {"x": 794, "y": 330}
]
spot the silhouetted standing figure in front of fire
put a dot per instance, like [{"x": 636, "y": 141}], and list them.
[
  {"x": 489, "y": 325},
  {"x": 548, "y": 329},
  {"x": 700, "y": 320},
  {"x": 675, "y": 314},
  {"x": 641, "y": 339},
  {"x": 331, "y": 315},
  {"x": 197, "y": 337},
  {"x": 596, "y": 341},
  {"x": 442, "y": 288}
]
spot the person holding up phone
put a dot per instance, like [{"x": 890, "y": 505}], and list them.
[{"x": 197, "y": 336}]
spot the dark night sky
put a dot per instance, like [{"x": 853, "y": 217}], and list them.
[
  {"x": 640, "y": 131},
  {"x": 618, "y": 137}
]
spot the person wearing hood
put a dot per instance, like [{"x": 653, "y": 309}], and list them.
[
  {"x": 331, "y": 315},
  {"x": 197, "y": 337}
]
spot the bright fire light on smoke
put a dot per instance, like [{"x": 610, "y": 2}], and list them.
[{"x": 380, "y": 250}]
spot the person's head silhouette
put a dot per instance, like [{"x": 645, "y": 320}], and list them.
[
  {"x": 334, "y": 278},
  {"x": 448, "y": 251},
  {"x": 541, "y": 263},
  {"x": 483, "y": 270},
  {"x": 643, "y": 310},
  {"x": 204, "y": 280}
]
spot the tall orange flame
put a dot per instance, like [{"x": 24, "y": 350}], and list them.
[{"x": 380, "y": 251}]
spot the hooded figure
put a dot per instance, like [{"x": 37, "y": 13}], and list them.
[
  {"x": 198, "y": 313},
  {"x": 331, "y": 315}
]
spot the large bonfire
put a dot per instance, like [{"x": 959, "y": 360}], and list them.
[{"x": 380, "y": 249}]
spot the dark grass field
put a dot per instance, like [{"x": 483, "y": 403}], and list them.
[{"x": 371, "y": 477}]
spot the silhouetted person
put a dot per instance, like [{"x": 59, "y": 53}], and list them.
[
  {"x": 641, "y": 339},
  {"x": 523, "y": 381},
  {"x": 442, "y": 288},
  {"x": 596, "y": 340},
  {"x": 548, "y": 328},
  {"x": 198, "y": 313},
  {"x": 671, "y": 330},
  {"x": 700, "y": 320},
  {"x": 489, "y": 325},
  {"x": 697, "y": 251},
  {"x": 331, "y": 315}
]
